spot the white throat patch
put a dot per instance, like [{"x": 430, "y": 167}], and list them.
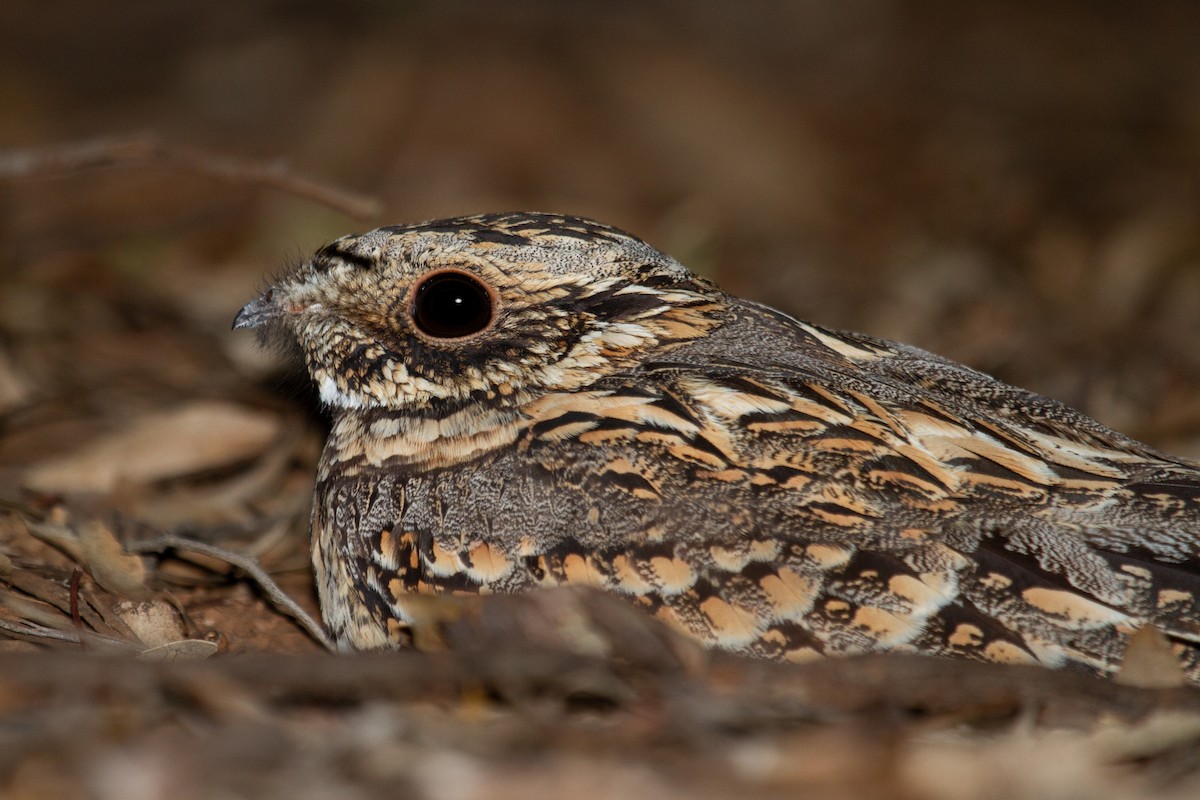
[{"x": 331, "y": 395}]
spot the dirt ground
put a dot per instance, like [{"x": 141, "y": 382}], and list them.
[{"x": 1011, "y": 185}]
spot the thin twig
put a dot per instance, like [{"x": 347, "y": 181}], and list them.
[
  {"x": 35, "y": 631},
  {"x": 149, "y": 148},
  {"x": 76, "y": 577},
  {"x": 246, "y": 564}
]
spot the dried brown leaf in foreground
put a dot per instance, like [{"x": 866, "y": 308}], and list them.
[
  {"x": 517, "y": 712},
  {"x": 1151, "y": 662}
]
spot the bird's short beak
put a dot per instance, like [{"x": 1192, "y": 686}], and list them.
[{"x": 258, "y": 311}]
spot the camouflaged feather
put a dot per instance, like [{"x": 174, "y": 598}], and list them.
[{"x": 764, "y": 484}]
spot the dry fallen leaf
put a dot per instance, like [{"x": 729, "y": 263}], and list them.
[
  {"x": 200, "y": 436},
  {"x": 153, "y": 622},
  {"x": 1150, "y": 661},
  {"x": 182, "y": 649},
  {"x": 96, "y": 548}
]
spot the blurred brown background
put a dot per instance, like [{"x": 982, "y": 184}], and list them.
[{"x": 1014, "y": 185}]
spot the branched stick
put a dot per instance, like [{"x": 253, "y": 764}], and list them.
[
  {"x": 246, "y": 564},
  {"x": 149, "y": 148}
]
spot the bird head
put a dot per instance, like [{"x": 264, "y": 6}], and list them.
[{"x": 486, "y": 307}]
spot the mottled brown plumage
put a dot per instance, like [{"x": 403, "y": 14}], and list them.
[{"x": 522, "y": 400}]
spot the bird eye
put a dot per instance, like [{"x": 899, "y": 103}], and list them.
[{"x": 450, "y": 305}]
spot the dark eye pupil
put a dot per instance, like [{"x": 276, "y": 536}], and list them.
[{"x": 451, "y": 305}]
